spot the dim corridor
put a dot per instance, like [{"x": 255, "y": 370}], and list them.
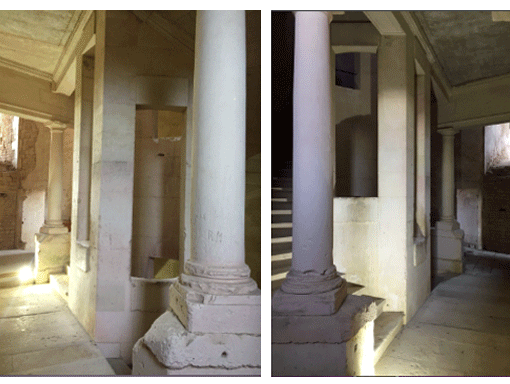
[
  {"x": 40, "y": 336},
  {"x": 461, "y": 330}
]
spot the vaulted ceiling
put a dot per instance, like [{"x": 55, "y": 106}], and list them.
[
  {"x": 38, "y": 43},
  {"x": 35, "y": 39},
  {"x": 469, "y": 45}
]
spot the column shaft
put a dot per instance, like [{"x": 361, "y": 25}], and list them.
[
  {"x": 53, "y": 220},
  {"x": 448, "y": 174},
  {"x": 219, "y": 126},
  {"x": 312, "y": 189},
  {"x": 312, "y": 286}
]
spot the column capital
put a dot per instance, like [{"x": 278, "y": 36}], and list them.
[
  {"x": 329, "y": 14},
  {"x": 448, "y": 131},
  {"x": 57, "y": 125}
]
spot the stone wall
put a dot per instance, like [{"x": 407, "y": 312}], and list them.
[
  {"x": 496, "y": 213},
  {"x": 156, "y": 199},
  {"x": 469, "y": 166}
]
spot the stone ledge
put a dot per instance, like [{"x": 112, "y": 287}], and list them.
[
  {"x": 355, "y": 312},
  {"x": 176, "y": 348}
]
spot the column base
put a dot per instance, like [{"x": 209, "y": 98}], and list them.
[
  {"x": 447, "y": 247},
  {"x": 341, "y": 344},
  {"x": 54, "y": 230},
  {"x": 303, "y": 300},
  {"x": 168, "y": 348},
  {"x": 209, "y": 313},
  {"x": 52, "y": 254}
]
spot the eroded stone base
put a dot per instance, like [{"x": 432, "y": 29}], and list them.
[
  {"x": 51, "y": 254},
  {"x": 169, "y": 349},
  {"x": 341, "y": 344}
]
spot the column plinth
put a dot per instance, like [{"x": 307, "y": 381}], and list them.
[{"x": 313, "y": 286}]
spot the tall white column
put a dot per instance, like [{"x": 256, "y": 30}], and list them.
[
  {"x": 312, "y": 286},
  {"x": 213, "y": 327},
  {"x": 53, "y": 221},
  {"x": 216, "y": 266},
  {"x": 448, "y": 175},
  {"x": 217, "y": 261}
]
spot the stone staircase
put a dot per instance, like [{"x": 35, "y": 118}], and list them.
[
  {"x": 60, "y": 283},
  {"x": 386, "y": 325}
]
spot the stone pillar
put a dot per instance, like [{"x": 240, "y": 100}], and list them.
[
  {"x": 448, "y": 235},
  {"x": 53, "y": 220},
  {"x": 52, "y": 243},
  {"x": 215, "y": 303},
  {"x": 312, "y": 286},
  {"x": 313, "y": 333}
]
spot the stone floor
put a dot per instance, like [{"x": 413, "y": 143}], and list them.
[
  {"x": 463, "y": 329},
  {"x": 39, "y": 336}
]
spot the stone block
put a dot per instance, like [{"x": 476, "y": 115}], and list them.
[
  {"x": 52, "y": 254},
  {"x": 146, "y": 364},
  {"x": 208, "y": 313},
  {"x": 175, "y": 347},
  {"x": 150, "y": 294},
  {"x": 337, "y": 345}
]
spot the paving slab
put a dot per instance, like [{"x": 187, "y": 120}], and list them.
[
  {"x": 461, "y": 330},
  {"x": 40, "y": 336}
]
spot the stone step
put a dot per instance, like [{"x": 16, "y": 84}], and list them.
[
  {"x": 281, "y": 203},
  {"x": 281, "y": 230},
  {"x": 386, "y": 326},
  {"x": 60, "y": 283},
  {"x": 281, "y": 193},
  {"x": 281, "y": 263},
  {"x": 283, "y": 246},
  {"x": 277, "y": 280},
  {"x": 281, "y": 216}
]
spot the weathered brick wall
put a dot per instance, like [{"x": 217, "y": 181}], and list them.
[
  {"x": 7, "y": 154},
  {"x": 9, "y": 182}
]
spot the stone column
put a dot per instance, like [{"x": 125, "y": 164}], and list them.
[
  {"x": 312, "y": 286},
  {"x": 313, "y": 334},
  {"x": 52, "y": 243},
  {"x": 53, "y": 220},
  {"x": 215, "y": 294},
  {"x": 448, "y": 235},
  {"x": 448, "y": 175}
]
